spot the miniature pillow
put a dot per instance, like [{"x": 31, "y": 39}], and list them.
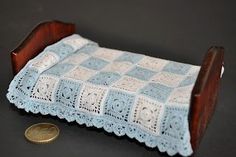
[{"x": 143, "y": 97}]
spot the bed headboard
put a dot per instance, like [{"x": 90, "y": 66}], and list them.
[{"x": 42, "y": 35}]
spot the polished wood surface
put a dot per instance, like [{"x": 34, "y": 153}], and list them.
[
  {"x": 204, "y": 94},
  {"x": 42, "y": 35}
]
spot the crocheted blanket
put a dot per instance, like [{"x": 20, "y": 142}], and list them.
[{"x": 143, "y": 97}]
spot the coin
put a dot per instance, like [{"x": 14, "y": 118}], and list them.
[{"x": 42, "y": 133}]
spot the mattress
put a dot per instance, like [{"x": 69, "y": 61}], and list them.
[{"x": 126, "y": 93}]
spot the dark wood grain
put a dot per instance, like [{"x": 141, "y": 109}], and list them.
[
  {"x": 42, "y": 35},
  {"x": 204, "y": 94}
]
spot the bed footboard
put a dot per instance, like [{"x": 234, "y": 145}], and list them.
[
  {"x": 42, "y": 35},
  {"x": 204, "y": 94}
]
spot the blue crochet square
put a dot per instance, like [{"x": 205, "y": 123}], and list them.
[
  {"x": 94, "y": 63},
  {"x": 104, "y": 78},
  {"x": 141, "y": 73},
  {"x": 174, "y": 122},
  {"x": 27, "y": 81},
  {"x": 62, "y": 50},
  {"x": 177, "y": 68},
  {"x": 189, "y": 80},
  {"x": 88, "y": 49},
  {"x": 118, "y": 104},
  {"x": 59, "y": 69},
  {"x": 130, "y": 57},
  {"x": 156, "y": 91},
  {"x": 67, "y": 92}
]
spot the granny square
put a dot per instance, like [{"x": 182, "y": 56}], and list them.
[
  {"x": 152, "y": 63},
  {"x": 44, "y": 88},
  {"x": 167, "y": 78},
  {"x": 76, "y": 58},
  {"x": 147, "y": 115},
  {"x": 156, "y": 91},
  {"x": 118, "y": 105},
  {"x": 181, "y": 95},
  {"x": 107, "y": 54},
  {"x": 80, "y": 73},
  {"x": 119, "y": 67},
  {"x": 27, "y": 81},
  {"x": 141, "y": 73},
  {"x": 129, "y": 84},
  {"x": 130, "y": 57},
  {"x": 44, "y": 61},
  {"x": 76, "y": 43},
  {"x": 173, "y": 121},
  {"x": 104, "y": 78},
  {"x": 94, "y": 63},
  {"x": 62, "y": 50},
  {"x": 59, "y": 69},
  {"x": 188, "y": 80},
  {"x": 177, "y": 68},
  {"x": 91, "y": 98},
  {"x": 68, "y": 92},
  {"x": 89, "y": 49}
]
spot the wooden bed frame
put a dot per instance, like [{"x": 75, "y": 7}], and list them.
[{"x": 204, "y": 94}]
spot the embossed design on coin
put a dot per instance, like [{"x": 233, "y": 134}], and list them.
[{"x": 42, "y": 133}]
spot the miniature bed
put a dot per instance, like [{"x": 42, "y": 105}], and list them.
[{"x": 162, "y": 103}]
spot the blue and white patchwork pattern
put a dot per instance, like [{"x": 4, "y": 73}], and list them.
[{"x": 143, "y": 97}]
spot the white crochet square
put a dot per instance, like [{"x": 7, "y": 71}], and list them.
[
  {"x": 119, "y": 67},
  {"x": 147, "y": 114},
  {"x": 44, "y": 88},
  {"x": 152, "y": 63},
  {"x": 91, "y": 99},
  {"x": 129, "y": 83},
  {"x": 45, "y": 61},
  {"x": 80, "y": 73},
  {"x": 107, "y": 54},
  {"x": 76, "y": 58},
  {"x": 193, "y": 70},
  {"x": 76, "y": 43},
  {"x": 180, "y": 95},
  {"x": 168, "y": 79}
]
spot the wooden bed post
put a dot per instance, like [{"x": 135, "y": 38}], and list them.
[
  {"x": 204, "y": 94},
  {"x": 42, "y": 35}
]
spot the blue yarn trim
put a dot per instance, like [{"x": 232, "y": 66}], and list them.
[{"x": 70, "y": 115}]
